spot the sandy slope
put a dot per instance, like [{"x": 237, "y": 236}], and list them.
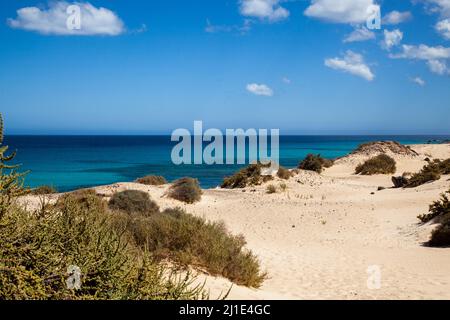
[{"x": 317, "y": 239}]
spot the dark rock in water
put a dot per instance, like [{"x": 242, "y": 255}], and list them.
[
  {"x": 381, "y": 188},
  {"x": 399, "y": 182}
]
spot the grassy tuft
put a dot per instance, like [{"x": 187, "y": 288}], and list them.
[
  {"x": 152, "y": 180},
  {"x": 271, "y": 189},
  {"x": 284, "y": 173},
  {"x": 43, "y": 190},
  {"x": 439, "y": 213},
  {"x": 248, "y": 176},
  {"x": 315, "y": 163},
  {"x": 186, "y": 190},
  {"x": 133, "y": 201},
  {"x": 381, "y": 164}
]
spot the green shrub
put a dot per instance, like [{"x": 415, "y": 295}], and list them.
[
  {"x": 87, "y": 198},
  {"x": 11, "y": 182},
  {"x": 152, "y": 180},
  {"x": 438, "y": 209},
  {"x": 43, "y": 190},
  {"x": 37, "y": 253},
  {"x": 315, "y": 163},
  {"x": 271, "y": 189},
  {"x": 440, "y": 237},
  {"x": 189, "y": 240},
  {"x": 186, "y": 190},
  {"x": 444, "y": 166},
  {"x": 428, "y": 173},
  {"x": 284, "y": 173},
  {"x": 248, "y": 176},
  {"x": 133, "y": 201},
  {"x": 381, "y": 164}
]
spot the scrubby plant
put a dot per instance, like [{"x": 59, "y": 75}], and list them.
[
  {"x": 248, "y": 176},
  {"x": 428, "y": 173},
  {"x": 188, "y": 240},
  {"x": 444, "y": 166},
  {"x": 133, "y": 201},
  {"x": 186, "y": 190},
  {"x": 380, "y": 164},
  {"x": 11, "y": 182},
  {"x": 284, "y": 173},
  {"x": 440, "y": 213},
  {"x": 88, "y": 198},
  {"x": 440, "y": 237},
  {"x": 438, "y": 209},
  {"x": 271, "y": 189},
  {"x": 43, "y": 190},
  {"x": 315, "y": 163},
  {"x": 152, "y": 180},
  {"x": 40, "y": 258},
  {"x": 283, "y": 186}
]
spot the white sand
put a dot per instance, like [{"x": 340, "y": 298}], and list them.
[{"x": 317, "y": 239}]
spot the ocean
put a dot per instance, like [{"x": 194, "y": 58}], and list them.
[{"x": 71, "y": 162}]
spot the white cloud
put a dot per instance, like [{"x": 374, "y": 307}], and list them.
[
  {"x": 434, "y": 56},
  {"x": 440, "y": 6},
  {"x": 419, "y": 81},
  {"x": 241, "y": 29},
  {"x": 259, "y": 89},
  {"x": 443, "y": 27},
  {"x": 264, "y": 9},
  {"x": 352, "y": 63},
  {"x": 438, "y": 67},
  {"x": 422, "y": 52},
  {"x": 53, "y": 20},
  {"x": 341, "y": 11},
  {"x": 391, "y": 39},
  {"x": 360, "y": 34},
  {"x": 396, "y": 17}
]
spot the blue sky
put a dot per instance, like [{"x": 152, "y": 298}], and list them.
[{"x": 145, "y": 67}]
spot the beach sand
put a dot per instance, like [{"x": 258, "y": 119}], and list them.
[{"x": 317, "y": 239}]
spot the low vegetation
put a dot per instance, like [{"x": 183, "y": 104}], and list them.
[
  {"x": 315, "y": 163},
  {"x": 43, "y": 190},
  {"x": 440, "y": 213},
  {"x": 152, "y": 180},
  {"x": 188, "y": 240},
  {"x": 429, "y": 173},
  {"x": 380, "y": 164},
  {"x": 284, "y": 173},
  {"x": 133, "y": 201},
  {"x": 271, "y": 189},
  {"x": 186, "y": 190},
  {"x": 249, "y": 176}
]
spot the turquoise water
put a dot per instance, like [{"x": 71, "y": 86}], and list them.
[{"x": 71, "y": 162}]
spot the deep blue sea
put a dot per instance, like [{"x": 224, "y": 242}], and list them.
[{"x": 71, "y": 162}]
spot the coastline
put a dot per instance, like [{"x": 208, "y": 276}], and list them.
[{"x": 318, "y": 238}]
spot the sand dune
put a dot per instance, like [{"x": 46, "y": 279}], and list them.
[{"x": 317, "y": 239}]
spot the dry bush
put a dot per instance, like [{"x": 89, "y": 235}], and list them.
[
  {"x": 315, "y": 163},
  {"x": 248, "y": 176},
  {"x": 381, "y": 164},
  {"x": 186, "y": 190},
  {"x": 439, "y": 213},
  {"x": 133, "y": 201},
  {"x": 284, "y": 173},
  {"x": 271, "y": 189},
  {"x": 428, "y": 173},
  {"x": 43, "y": 190},
  {"x": 152, "y": 180}
]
